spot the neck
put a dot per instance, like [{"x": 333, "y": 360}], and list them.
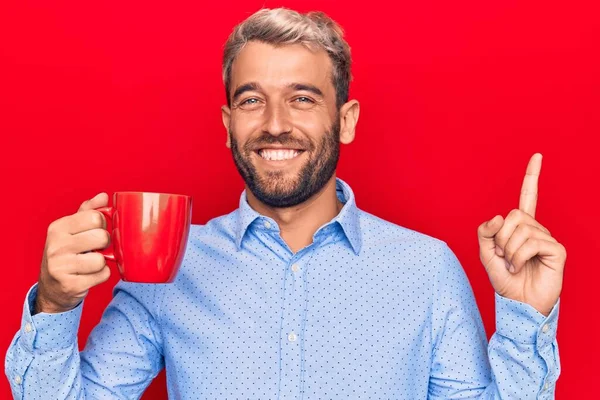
[{"x": 299, "y": 223}]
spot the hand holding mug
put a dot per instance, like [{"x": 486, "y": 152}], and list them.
[
  {"x": 144, "y": 233},
  {"x": 69, "y": 265}
]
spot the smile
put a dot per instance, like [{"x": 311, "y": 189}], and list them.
[{"x": 278, "y": 154}]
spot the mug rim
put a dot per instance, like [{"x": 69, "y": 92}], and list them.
[{"x": 158, "y": 193}]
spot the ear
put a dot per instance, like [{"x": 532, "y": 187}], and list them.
[
  {"x": 348, "y": 120},
  {"x": 226, "y": 116}
]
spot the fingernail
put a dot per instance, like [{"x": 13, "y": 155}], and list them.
[
  {"x": 507, "y": 264},
  {"x": 512, "y": 269}
]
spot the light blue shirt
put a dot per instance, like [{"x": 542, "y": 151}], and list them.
[{"x": 369, "y": 310}]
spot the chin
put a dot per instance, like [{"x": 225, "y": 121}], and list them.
[{"x": 279, "y": 183}]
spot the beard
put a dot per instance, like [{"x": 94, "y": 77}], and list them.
[{"x": 277, "y": 189}]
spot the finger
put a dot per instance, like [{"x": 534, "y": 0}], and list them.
[
  {"x": 486, "y": 233},
  {"x": 529, "y": 190},
  {"x": 514, "y": 219},
  {"x": 99, "y": 200},
  {"x": 494, "y": 265},
  {"x": 78, "y": 222},
  {"x": 91, "y": 280},
  {"x": 520, "y": 236},
  {"x": 88, "y": 263},
  {"x": 537, "y": 247},
  {"x": 94, "y": 239}
]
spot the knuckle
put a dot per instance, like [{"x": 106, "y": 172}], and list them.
[
  {"x": 105, "y": 274},
  {"x": 97, "y": 260},
  {"x": 563, "y": 250},
  {"x": 481, "y": 229},
  {"x": 51, "y": 270},
  {"x": 96, "y": 219},
  {"x": 55, "y": 268},
  {"x": 519, "y": 230},
  {"x": 101, "y": 237},
  {"x": 91, "y": 262},
  {"x": 53, "y": 249},
  {"x": 84, "y": 205},
  {"x": 51, "y": 228},
  {"x": 54, "y": 227},
  {"x": 501, "y": 238},
  {"x": 106, "y": 237},
  {"x": 514, "y": 214},
  {"x": 525, "y": 230}
]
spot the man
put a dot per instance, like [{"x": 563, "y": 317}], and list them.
[{"x": 298, "y": 293}]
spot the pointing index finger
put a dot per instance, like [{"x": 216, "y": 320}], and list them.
[{"x": 529, "y": 190}]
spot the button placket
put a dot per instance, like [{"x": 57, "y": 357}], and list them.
[{"x": 291, "y": 329}]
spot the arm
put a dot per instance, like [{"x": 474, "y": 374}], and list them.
[
  {"x": 522, "y": 355},
  {"x": 122, "y": 355}
]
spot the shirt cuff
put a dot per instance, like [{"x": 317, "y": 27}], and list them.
[
  {"x": 44, "y": 331},
  {"x": 522, "y": 323}
]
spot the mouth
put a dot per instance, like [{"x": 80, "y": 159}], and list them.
[{"x": 278, "y": 154}]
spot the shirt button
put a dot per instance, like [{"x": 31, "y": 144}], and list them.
[
  {"x": 18, "y": 380},
  {"x": 292, "y": 337},
  {"x": 546, "y": 385},
  {"x": 267, "y": 225},
  {"x": 28, "y": 328},
  {"x": 295, "y": 268},
  {"x": 545, "y": 328}
]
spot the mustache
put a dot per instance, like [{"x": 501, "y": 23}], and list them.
[{"x": 282, "y": 140}]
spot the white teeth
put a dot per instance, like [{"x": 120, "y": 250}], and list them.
[{"x": 278, "y": 155}]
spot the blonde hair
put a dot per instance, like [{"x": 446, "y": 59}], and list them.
[{"x": 282, "y": 26}]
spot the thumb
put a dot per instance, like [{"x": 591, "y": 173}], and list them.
[
  {"x": 99, "y": 200},
  {"x": 486, "y": 233}
]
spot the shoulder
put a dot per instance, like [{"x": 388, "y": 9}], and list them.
[
  {"x": 407, "y": 248},
  {"x": 378, "y": 230},
  {"x": 223, "y": 226}
]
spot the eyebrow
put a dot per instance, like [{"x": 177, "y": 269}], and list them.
[
  {"x": 246, "y": 87},
  {"x": 309, "y": 88},
  {"x": 253, "y": 86}
]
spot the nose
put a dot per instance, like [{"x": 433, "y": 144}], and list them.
[{"x": 277, "y": 120}]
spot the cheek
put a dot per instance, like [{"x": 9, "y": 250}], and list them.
[
  {"x": 313, "y": 128},
  {"x": 242, "y": 127}
]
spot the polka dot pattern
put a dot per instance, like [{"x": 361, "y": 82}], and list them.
[{"x": 369, "y": 310}]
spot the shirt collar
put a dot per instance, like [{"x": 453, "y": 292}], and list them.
[{"x": 347, "y": 218}]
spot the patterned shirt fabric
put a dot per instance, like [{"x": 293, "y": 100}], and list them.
[{"x": 369, "y": 310}]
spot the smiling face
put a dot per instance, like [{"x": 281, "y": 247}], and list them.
[{"x": 284, "y": 128}]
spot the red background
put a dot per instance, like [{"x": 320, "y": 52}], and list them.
[{"x": 456, "y": 96}]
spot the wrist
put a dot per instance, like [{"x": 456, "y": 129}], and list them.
[{"x": 44, "y": 305}]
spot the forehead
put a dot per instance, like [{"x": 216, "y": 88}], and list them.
[{"x": 276, "y": 66}]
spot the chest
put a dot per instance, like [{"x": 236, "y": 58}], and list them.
[{"x": 303, "y": 326}]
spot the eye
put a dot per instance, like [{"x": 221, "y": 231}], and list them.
[
  {"x": 251, "y": 100},
  {"x": 304, "y": 99}
]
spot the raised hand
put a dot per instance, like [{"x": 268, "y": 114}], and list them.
[{"x": 523, "y": 261}]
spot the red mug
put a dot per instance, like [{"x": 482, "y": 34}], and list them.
[{"x": 149, "y": 233}]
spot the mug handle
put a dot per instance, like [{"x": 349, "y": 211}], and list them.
[{"x": 108, "y": 252}]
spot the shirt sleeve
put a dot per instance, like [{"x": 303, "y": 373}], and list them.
[
  {"x": 520, "y": 361},
  {"x": 122, "y": 355}
]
